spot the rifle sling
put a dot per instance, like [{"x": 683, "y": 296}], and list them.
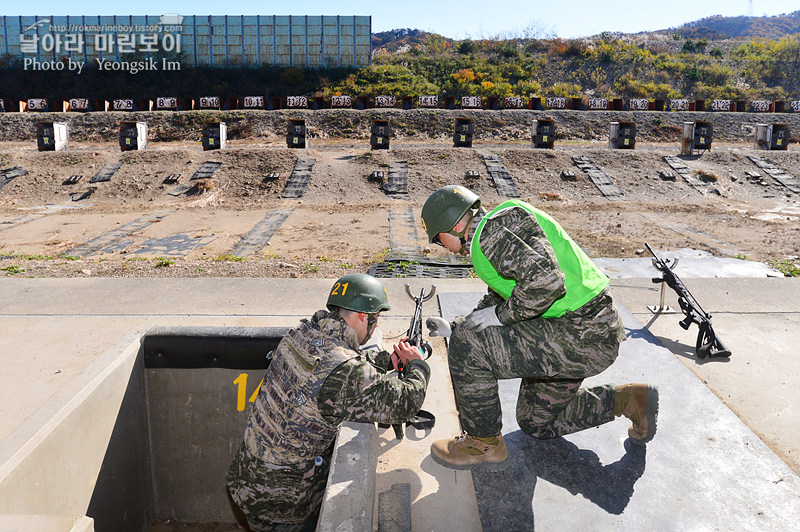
[{"x": 424, "y": 420}]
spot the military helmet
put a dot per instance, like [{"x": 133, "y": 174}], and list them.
[
  {"x": 445, "y": 207},
  {"x": 359, "y": 292}
]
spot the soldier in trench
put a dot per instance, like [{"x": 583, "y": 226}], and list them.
[{"x": 320, "y": 376}]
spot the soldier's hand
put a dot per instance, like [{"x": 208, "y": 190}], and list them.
[
  {"x": 482, "y": 318},
  {"x": 405, "y": 352},
  {"x": 438, "y": 327}
]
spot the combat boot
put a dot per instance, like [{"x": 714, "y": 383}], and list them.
[
  {"x": 469, "y": 452},
  {"x": 639, "y": 403}
]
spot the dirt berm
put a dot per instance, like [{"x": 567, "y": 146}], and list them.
[
  {"x": 342, "y": 222},
  {"x": 416, "y": 124}
]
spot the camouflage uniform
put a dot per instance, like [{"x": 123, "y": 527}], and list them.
[
  {"x": 551, "y": 355},
  {"x": 274, "y": 478}
]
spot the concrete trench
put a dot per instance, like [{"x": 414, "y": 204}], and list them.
[{"x": 167, "y": 415}]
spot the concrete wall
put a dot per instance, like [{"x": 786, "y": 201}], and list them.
[
  {"x": 54, "y": 472},
  {"x": 195, "y": 430},
  {"x": 123, "y": 495},
  {"x": 150, "y": 433}
]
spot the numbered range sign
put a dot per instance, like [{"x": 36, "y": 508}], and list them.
[
  {"x": 79, "y": 104},
  {"x": 760, "y": 106},
  {"x": 679, "y": 105},
  {"x": 555, "y": 102},
  {"x": 253, "y": 102},
  {"x": 720, "y": 105},
  {"x": 598, "y": 104},
  {"x": 209, "y": 102},
  {"x": 471, "y": 102},
  {"x": 384, "y": 101},
  {"x": 166, "y": 104},
  {"x": 429, "y": 101},
  {"x": 297, "y": 102},
  {"x": 37, "y": 104},
  {"x": 124, "y": 104},
  {"x": 513, "y": 102},
  {"x": 341, "y": 101},
  {"x": 795, "y": 106},
  {"x": 640, "y": 104}
]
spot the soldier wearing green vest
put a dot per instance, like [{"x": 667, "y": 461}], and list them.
[
  {"x": 321, "y": 374},
  {"x": 547, "y": 318}
]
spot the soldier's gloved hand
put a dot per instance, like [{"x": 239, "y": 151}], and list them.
[
  {"x": 438, "y": 327},
  {"x": 482, "y": 318}
]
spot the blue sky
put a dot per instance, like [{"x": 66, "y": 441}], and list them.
[{"x": 458, "y": 20}]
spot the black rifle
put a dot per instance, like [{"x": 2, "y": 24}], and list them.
[
  {"x": 708, "y": 343},
  {"x": 414, "y": 333},
  {"x": 424, "y": 419}
]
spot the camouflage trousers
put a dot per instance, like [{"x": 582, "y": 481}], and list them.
[
  {"x": 283, "y": 498},
  {"x": 552, "y": 356}
]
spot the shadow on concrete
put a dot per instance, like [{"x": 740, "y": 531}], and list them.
[
  {"x": 677, "y": 348},
  {"x": 505, "y": 499},
  {"x": 687, "y": 351}
]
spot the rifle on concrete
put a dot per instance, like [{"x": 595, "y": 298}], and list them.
[
  {"x": 708, "y": 343},
  {"x": 424, "y": 419}
]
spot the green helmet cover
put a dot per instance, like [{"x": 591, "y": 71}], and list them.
[
  {"x": 359, "y": 292},
  {"x": 445, "y": 207}
]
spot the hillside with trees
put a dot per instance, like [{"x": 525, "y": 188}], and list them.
[
  {"x": 719, "y": 27},
  {"x": 677, "y": 63},
  {"x": 605, "y": 66}
]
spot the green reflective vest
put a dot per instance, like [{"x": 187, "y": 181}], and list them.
[{"x": 583, "y": 280}]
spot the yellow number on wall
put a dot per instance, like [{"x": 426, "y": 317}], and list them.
[{"x": 241, "y": 391}]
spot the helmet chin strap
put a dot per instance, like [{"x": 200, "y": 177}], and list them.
[
  {"x": 463, "y": 234},
  {"x": 464, "y": 249}
]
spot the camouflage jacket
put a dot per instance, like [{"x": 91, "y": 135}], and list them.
[
  {"x": 517, "y": 247},
  {"x": 319, "y": 378},
  {"x": 361, "y": 389}
]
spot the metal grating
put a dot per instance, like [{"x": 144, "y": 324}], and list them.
[
  {"x": 447, "y": 260},
  {"x": 258, "y": 237},
  {"x": 10, "y": 174},
  {"x": 19, "y": 221},
  {"x": 686, "y": 173},
  {"x": 779, "y": 175},
  {"x": 503, "y": 182},
  {"x": 599, "y": 178},
  {"x": 403, "y": 236},
  {"x": 180, "y": 190},
  {"x": 106, "y": 173},
  {"x": 396, "y": 185},
  {"x": 178, "y": 245},
  {"x": 109, "y": 238},
  {"x": 410, "y": 269},
  {"x": 719, "y": 246},
  {"x": 82, "y": 195},
  {"x": 298, "y": 181},
  {"x": 206, "y": 170},
  {"x": 405, "y": 258}
]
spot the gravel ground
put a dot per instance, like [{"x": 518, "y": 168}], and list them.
[{"x": 342, "y": 223}]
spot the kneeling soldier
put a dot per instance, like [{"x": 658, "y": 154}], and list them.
[
  {"x": 547, "y": 318},
  {"x": 319, "y": 377}
]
